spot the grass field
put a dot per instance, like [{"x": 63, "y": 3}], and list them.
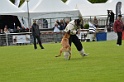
[{"x": 105, "y": 63}]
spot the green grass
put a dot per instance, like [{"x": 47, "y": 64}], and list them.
[{"x": 105, "y": 63}]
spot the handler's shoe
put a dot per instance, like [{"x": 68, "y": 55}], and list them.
[{"x": 84, "y": 54}]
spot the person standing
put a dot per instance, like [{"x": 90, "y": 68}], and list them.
[
  {"x": 6, "y": 29},
  {"x": 95, "y": 22},
  {"x": 118, "y": 28},
  {"x": 111, "y": 20},
  {"x": 36, "y": 34},
  {"x": 73, "y": 26},
  {"x": 56, "y": 32}
]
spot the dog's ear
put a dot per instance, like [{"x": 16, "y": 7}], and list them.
[{"x": 68, "y": 32}]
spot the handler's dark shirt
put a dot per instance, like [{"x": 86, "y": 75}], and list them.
[{"x": 35, "y": 30}]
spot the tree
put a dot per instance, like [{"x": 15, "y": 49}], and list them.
[
  {"x": 97, "y": 1},
  {"x": 92, "y": 1},
  {"x": 64, "y": 0},
  {"x": 21, "y": 1}
]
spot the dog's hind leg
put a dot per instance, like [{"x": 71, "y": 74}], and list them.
[{"x": 69, "y": 55}]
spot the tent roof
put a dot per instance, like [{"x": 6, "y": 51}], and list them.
[
  {"x": 98, "y": 9},
  {"x": 32, "y": 4},
  {"x": 53, "y": 8},
  {"x": 8, "y": 8},
  {"x": 115, "y": 1},
  {"x": 52, "y": 5},
  {"x": 73, "y": 3}
]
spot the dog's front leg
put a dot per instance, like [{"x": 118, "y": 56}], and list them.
[{"x": 59, "y": 52}]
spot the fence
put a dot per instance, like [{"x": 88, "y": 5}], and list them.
[
  {"x": 49, "y": 36},
  {"x": 27, "y": 38}
]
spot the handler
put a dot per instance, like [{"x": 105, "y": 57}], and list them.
[{"x": 73, "y": 26}]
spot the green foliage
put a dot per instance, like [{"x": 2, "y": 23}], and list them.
[
  {"x": 22, "y": 1},
  {"x": 105, "y": 63},
  {"x": 86, "y": 26},
  {"x": 12, "y": 1},
  {"x": 64, "y": 0},
  {"x": 92, "y": 1},
  {"x": 97, "y": 1}
]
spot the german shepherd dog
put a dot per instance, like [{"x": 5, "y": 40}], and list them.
[{"x": 65, "y": 46}]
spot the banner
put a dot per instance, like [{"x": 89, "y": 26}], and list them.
[
  {"x": 118, "y": 9},
  {"x": 21, "y": 39}
]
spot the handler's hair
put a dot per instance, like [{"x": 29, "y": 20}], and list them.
[{"x": 78, "y": 21}]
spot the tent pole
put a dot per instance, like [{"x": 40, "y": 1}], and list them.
[{"x": 28, "y": 14}]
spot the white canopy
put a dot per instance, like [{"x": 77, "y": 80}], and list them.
[
  {"x": 8, "y": 8},
  {"x": 109, "y": 1},
  {"x": 50, "y": 9},
  {"x": 98, "y": 9},
  {"x": 115, "y": 1},
  {"x": 73, "y": 3},
  {"x": 32, "y": 4}
]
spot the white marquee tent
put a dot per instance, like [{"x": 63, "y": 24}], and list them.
[
  {"x": 50, "y": 9},
  {"x": 32, "y": 4},
  {"x": 53, "y": 9},
  {"x": 8, "y": 8},
  {"x": 98, "y": 9},
  {"x": 115, "y": 1},
  {"x": 73, "y": 3},
  {"x": 109, "y": 1}
]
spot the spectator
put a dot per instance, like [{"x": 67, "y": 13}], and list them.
[
  {"x": 66, "y": 23},
  {"x": 82, "y": 22},
  {"x": 36, "y": 35},
  {"x": 18, "y": 29},
  {"x": 6, "y": 29},
  {"x": 95, "y": 22},
  {"x": 56, "y": 31},
  {"x": 1, "y": 31},
  {"x": 45, "y": 23},
  {"x": 57, "y": 21},
  {"x": 111, "y": 19},
  {"x": 62, "y": 24},
  {"x": 118, "y": 28},
  {"x": 23, "y": 29}
]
